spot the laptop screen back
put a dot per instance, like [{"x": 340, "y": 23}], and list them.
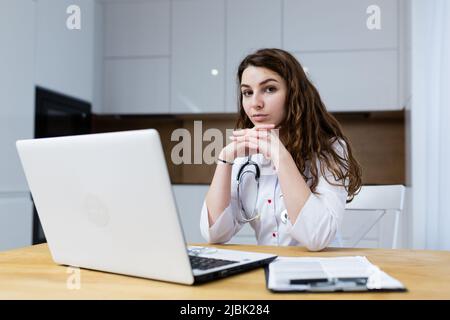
[{"x": 105, "y": 202}]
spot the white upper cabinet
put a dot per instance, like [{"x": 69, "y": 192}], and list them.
[
  {"x": 198, "y": 56},
  {"x": 136, "y": 86},
  {"x": 17, "y": 34},
  {"x": 137, "y": 29},
  {"x": 251, "y": 25},
  {"x": 136, "y": 63},
  {"x": 355, "y": 66},
  {"x": 315, "y": 25},
  {"x": 65, "y": 57},
  {"x": 181, "y": 56},
  {"x": 354, "y": 80}
]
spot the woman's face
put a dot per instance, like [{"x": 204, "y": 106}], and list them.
[{"x": 263, "y": 95}]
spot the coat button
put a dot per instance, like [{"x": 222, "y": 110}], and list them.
[
  {"x": 284, "y": 216},
  {"x": 274, "y": 234}
]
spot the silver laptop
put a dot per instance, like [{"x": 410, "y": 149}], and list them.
[{"x": 106, "y": 203}]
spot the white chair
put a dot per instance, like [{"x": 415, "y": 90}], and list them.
[{"x": 372, "y": 218}]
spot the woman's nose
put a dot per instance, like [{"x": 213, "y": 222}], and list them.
[{"x": 257, "y": 102}]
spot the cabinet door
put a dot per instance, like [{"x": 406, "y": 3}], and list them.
[
  {"x": 189, "y": 199},
  {"x": 137, "y": 28},
  {"x": 198, "y": 56},
  {"x": 17, "y": 36},
  {"x": 354, "y": 80},
  {"x": 316, "y": 25},
  {"x": 136, "y": 57},
  {"x": 251, "y": 25},
  {"x": 245, "y": 236},
  {"x": 65, "y": 58},
  {"x": 15, "y": 222},
  {"x": 136, "y": 86}
]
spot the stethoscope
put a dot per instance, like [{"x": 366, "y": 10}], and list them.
[{"x": 243, "y": 215}]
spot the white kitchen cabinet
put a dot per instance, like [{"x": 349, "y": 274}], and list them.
[
  {"x": 137, "y": 28},
  {"x": 353, "y": 67},
  {"x": 245, "y": 236},
  {"x": 65, "y": 58},
  {"x": 188, "y": 52},
  {"x": 317, "y": 25},
  {"x": 16, "y": 214},
  {"x": 198, "y": 56},
  {"x": 251, "y": 25},
  {"x": 189, "y": 199},
  {"x": 136, "y": 86},
  {"x": 17, "y": 34},
  {"x": 354, "y": 80},
  {"x": 136, "y": 57}
]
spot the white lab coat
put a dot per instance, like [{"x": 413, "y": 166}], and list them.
[{"x": 317, "y": 226}]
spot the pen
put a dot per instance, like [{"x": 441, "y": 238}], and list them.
[
  {"x": 310, "y": 281},
  {"x": 320, "y": 281}
]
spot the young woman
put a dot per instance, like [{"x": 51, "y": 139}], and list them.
[{"x": 289, "y": 169}]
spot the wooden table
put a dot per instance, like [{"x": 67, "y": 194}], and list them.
[{"x": 29, "y": 273}]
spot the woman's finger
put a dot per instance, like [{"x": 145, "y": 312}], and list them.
[
  {"x": 260, "y": 134},
  {"x": 245, "y": 148},
  {"x": 240, "y": 132},
  {"x": 264, "y": 126},
  {"x": 257, "y": 127},
  {"x": 245, "y": 138}
]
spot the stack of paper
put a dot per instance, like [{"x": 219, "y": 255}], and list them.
[{"x": 328, "y": 274}]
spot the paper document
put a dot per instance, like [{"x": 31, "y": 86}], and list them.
[{"x": 328, "y": 274}]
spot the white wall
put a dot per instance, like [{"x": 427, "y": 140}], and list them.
[
  {"x": 65, "y": 59},
  {"x": 429, "y": 116},
  {"x": 38, "y": 49},
  {"x": 17, "y": 30},
  {"x": 416, "y": 127},
  {"x": 97, "y": 98},
  {"x": 405, "y": 67}
]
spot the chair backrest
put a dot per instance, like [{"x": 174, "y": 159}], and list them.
[{"x": 372, "y": 218}]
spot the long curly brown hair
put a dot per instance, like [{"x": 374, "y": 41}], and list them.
[{"x": 312, "y": 129}]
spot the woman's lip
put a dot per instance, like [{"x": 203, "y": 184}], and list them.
[{"x": 260, "y": 117}]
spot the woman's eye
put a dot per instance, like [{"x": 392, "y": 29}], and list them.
[
  {"x": 271, "y": 89},
  {"x": 246, "y": 93}
]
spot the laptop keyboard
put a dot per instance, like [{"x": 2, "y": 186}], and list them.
[{"x": 203, "y": 263}]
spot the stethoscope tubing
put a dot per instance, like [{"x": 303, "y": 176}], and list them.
[{"x": 243, "y": 216}]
